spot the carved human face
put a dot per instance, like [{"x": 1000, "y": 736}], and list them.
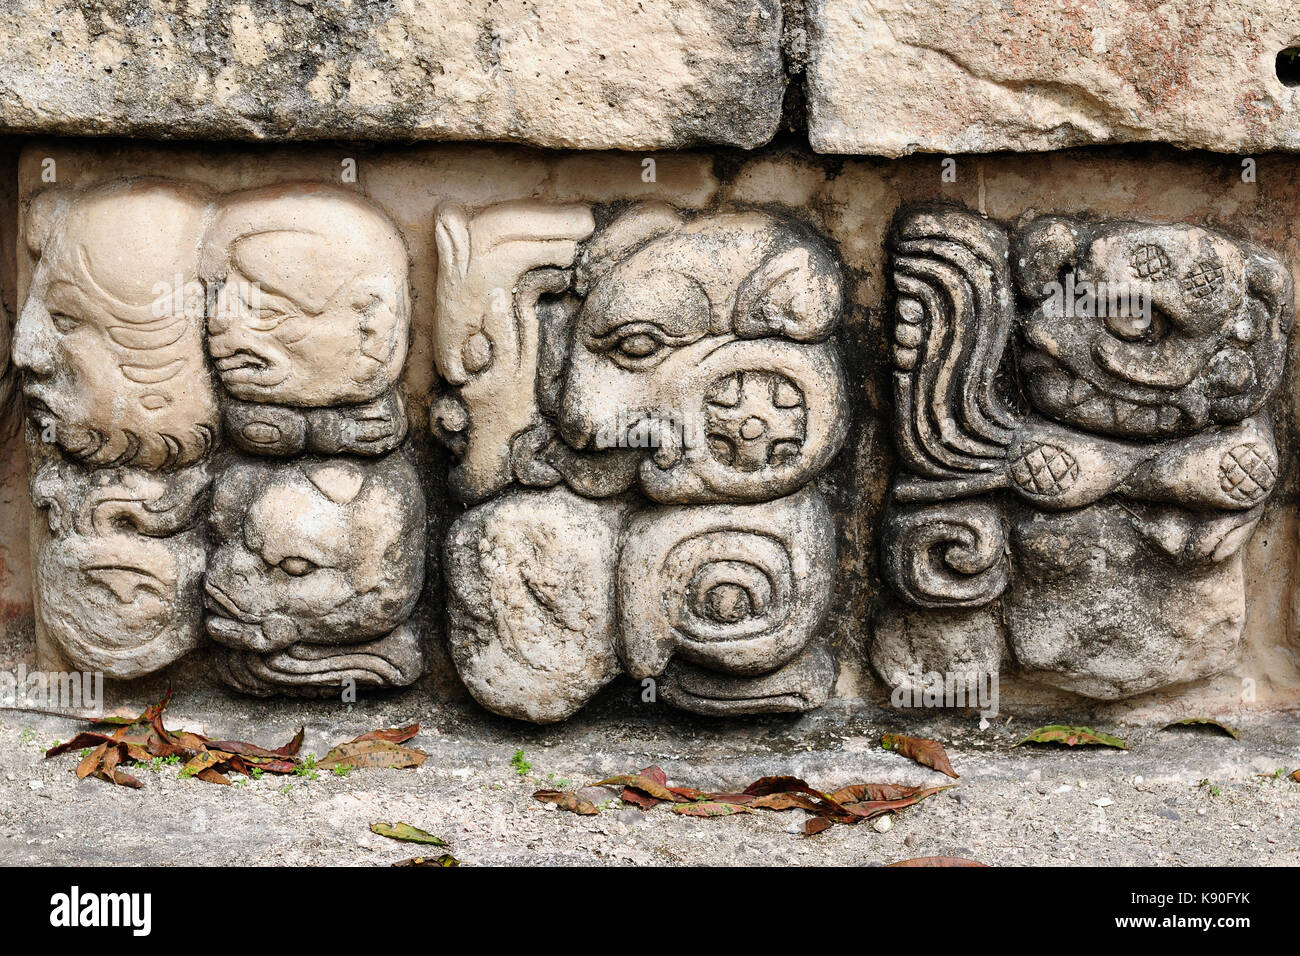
[
  {"x": 1191, "y": 331},
  {"x": 311, "y": 305},
  {"x": 706, "y": 344},
  {"x": 124, "y": 604},
  {"x": 317, "y": 551},
  {"x": 110, "y": 338}
]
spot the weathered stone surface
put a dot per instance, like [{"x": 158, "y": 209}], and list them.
[
  {"x": 628, "y": 74},
  {"x": 848, "y": 204},
  {"x": 530, "y": 602},
  {"x": 801, "y": 685},
  {"x": 1121, "y": 441},
  {"x": 889, "y": 77},
  {"x": 113, "y": 361}
]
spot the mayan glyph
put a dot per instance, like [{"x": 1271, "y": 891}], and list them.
[
  {"x": 317, "y": 523},
  {"x": 122, "y": 416},
  {"x": 216, "y": 433},
  {"x": 655, "y": 392},
  {"x": 1080, "y": 417}
]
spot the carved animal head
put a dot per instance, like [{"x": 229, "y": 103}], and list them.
[
  {"x": 310, "y": 299},
  {"x": 706, "y": 338},
  {"x": 110, "y": 338},
  {"x": 1149, "y": 331},
  {"x": 315, "y": 551}
]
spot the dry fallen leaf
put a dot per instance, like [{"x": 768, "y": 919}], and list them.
[
  {"x": 404, "y": 831},
  {"x": 145, "y": 738},
  {"x": 1072, "y": 737},
  {"x": 938, "y": 861},
  {"x": 373, "y": 752},
  {"x": 645, "y": 783},
  {"x": 928, "y": 753},
  {"x": 445, "y": 860},
  {"x": 710, "y": 808},
  {"x": 566, "y": 800}
]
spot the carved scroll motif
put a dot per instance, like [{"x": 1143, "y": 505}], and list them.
[
  {"x": 675, "y": 360},
  {"x": 1108, "y": 512}
]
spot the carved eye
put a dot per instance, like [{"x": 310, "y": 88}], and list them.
[
  {"x": 63, "y": 322},
  {"x": 638, "y": 346},
  {"x": 295, "y": 566}
]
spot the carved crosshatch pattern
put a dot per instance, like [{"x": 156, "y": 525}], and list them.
[{"x": 1080, "y": 417}]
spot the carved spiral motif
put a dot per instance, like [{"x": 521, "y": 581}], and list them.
[
  {"x": 947, "y": 555},
  {"x": 739, "y": 589}
]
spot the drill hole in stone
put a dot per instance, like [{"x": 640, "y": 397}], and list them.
[{"x": 1288, "y": 66}]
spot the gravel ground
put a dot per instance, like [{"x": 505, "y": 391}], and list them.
[{"x": 1178, "y": 797}]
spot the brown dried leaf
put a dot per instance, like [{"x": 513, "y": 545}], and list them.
[
  {"x": 445, "y": 860},
  {"x": 710, "y": 808},
  {"x": 1072, "y": 737},
  {"x": 870, "y": 809},
  {"x": 566, "y": 800},
  {"x": 642, "y": 782},
  {"x": 816, "y": 825},
  {"x": 394, "y": 735},
  {"x": 928, "y": 753},
  {"x": 373, "y": 753},
  {"x": 938, "y": 861},
  {"x": 90, "y": 763}
]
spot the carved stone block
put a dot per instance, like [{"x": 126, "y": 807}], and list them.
[
  {"x": 1101, "y": 479},
  {"x": 658, "y": 358}
]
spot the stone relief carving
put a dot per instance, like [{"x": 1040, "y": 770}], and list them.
[
  {"x": 315, "y": 566},
  {"x": 1101, "y": 480},
  {"x": 145, "y": 295},
  {"x": 316, "y": 562},
  {"x": 122, "y": 414},
  {"x": 667, "y": 391}
]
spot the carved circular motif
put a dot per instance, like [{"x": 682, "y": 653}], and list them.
[
  {"x": 1043, "y": 469},
  {"x": 754, "y": 419},
  {"x": 1248, "y": 472}
]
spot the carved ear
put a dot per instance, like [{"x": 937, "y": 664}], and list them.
[
  {"x": 1268, "y": 280},
  {"x": 451, "y": 235},
  {"x": 339, "y": 481},
  {"x": 43, "y": 211},
  {"x": 1042, "y": 249},
  {"x": 794, "y": 294},
  {"x": 383, "y": 311}
]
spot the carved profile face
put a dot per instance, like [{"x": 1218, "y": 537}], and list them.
[
  {"x": 316, "y": 551},
  {"x": 110, "y": 338},
  {"x": 1188, "y": 329},
  {"x": 309, "y": 296},
  {"x": 709, "y": 335}
]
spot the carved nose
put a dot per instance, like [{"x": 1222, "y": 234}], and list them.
[{"x": 33, "y": 349}]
